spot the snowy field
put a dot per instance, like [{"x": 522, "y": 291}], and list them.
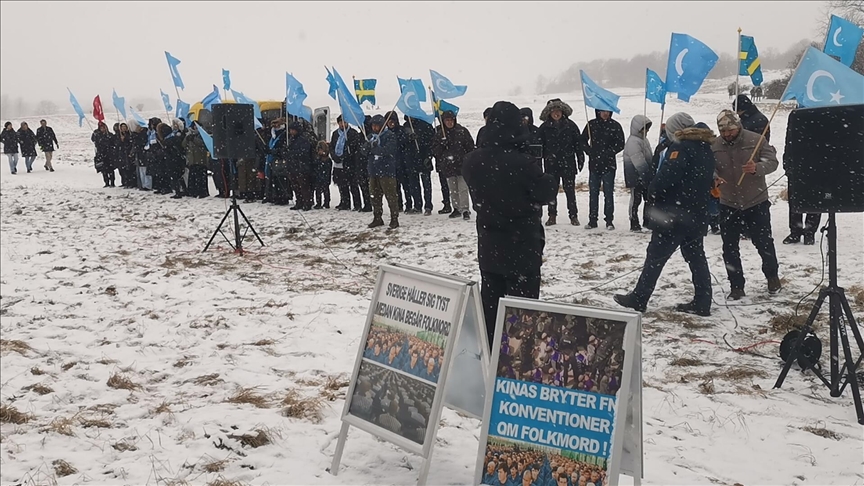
[{"x": 130, "y": 357}]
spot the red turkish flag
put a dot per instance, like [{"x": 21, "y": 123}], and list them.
[{"x": 97, "y": 109}]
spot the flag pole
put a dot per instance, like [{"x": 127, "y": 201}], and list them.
[
  {"x": 662, "y": 115},
  {"x": 737, "y": 71},
  {"x": 437, "y": 113},
  {"x": 644, "y": 103},
  {"x": 585, "y": 105}
]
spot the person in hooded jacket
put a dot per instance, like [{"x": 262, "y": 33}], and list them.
[
  {"x": 751, "y": 118},
  {"x": 47, "y": 140},
  {"x": 450, "y": 146},
  {"x": 9, "y": 137},
  {"x": 534, "y": 144},
  {"x": 679, "y": 214},
  {"x": 404, "y": 156},
  {"x": 382, "y": 152},
  {"x": 508, "y": 190},
  {"x": 322, "y": 168},
  {"x": 138, "y": 137},
  {"x": 637, "y": 166},
  {"x": 346, "y": 148},
  {"x": 27, "y": 140},
  {"x": 125, "y": 156},
  {"x": 604, "y": 139},
  {"x": 563, "y": 154},
  {"x": 197, "y": 158},
  {"x": 422, "y": 135},
  {"x": 104, "y": 142},
  {"x": 298, "y": 158}
]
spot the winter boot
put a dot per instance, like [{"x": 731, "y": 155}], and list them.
[
  {"x": 629, "y": 301},
  {"x": 692, "y": 308},
  {"x": 736, "y": 294},
  {"x": 774, "y": 285},
  {"x": 466, "y": 215},
  {"x": 574, "y": 221},
  {"x": 455, "y": 214},
  {"x": 792, "y": 239},
  {"x": 446, "y": 210},
  {"x": 394, "y": 222},
  {"x": 376, "y": 222},
  {"x": 552, "y": 220}
]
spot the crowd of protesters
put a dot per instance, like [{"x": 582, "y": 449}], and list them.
[{"x": 514, "y": 465}]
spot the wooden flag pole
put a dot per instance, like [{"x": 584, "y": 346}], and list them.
[
  {"x": 437, "y": 113},
  {"x": 588, "y": 120},
  {"x": 644, "y": 105},
  {"x": 761, "y": 139},
  {"x": 737, "y": 71}
]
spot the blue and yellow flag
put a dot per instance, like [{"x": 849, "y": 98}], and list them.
[
  {"x": 440, "y": 106},
  {"x": 365, "y": 90},
  {"x": 748, "y": 60}
]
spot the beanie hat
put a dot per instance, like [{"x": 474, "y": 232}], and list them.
[
  {"x": 743, "y": 103},
  {"x": 448, "y": 115},
  {"x": 727, "y": 120},
  {"x": 377, "y": 120}
]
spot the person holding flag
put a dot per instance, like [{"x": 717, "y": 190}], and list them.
[{"x": 751, "y": 118}]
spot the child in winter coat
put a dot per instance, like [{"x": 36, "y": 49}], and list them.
[{"x": 322, "y": 166}]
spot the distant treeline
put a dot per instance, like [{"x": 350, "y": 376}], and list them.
[{"x": 630, "y": 73}]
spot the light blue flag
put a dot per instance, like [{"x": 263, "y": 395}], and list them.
[
  {"x": 820, "y": 80},
  {"x": 655, "y": 88},
  {"x": 182, "y": 110},
  {"x": 409, "y": 104},
  {"x": 208, "y": 140},
  {"x": 351, "y": 111},
  {"x": 444, "y": 89},
  {"x": 119, "y": 103},
  {"x": 211, "y": 98},
  {"x": 331, "y": 84},
  {"x": 138, "y": 118},
  {"x": 76, "y": 107},
  {"x": 843, "y": 39},
  {"x": 166, "y": 101},
  {"x": 241, "y": 98},
  {"x": 597, "y": 97},
  {"x": 415, "y": 84},
  {"x": 175, "y": 74},
  {"x": 295, "y": 95},
  {"x": 690, "y": 61},
  {"x": 226, "y": 79}
]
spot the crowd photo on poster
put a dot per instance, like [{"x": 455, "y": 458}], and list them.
[
  {"x": 405, "y": 348},
  {"x": 509, "y": 463},
  {"x": 392, "y": 401},
  {"x": 562, "y": 350}
]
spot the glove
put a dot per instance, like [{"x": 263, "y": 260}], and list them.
[{"x": 261, "y": 175}]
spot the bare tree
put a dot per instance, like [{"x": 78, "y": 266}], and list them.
[{"x": 46, "y": 107}]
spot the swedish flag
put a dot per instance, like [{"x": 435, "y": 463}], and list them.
[
  {"x": 365, "y": 90},
  {"x": 440, "y": 106},
  {"x": 749, "y": 63}
]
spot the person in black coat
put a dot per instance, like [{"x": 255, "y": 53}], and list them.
[
  {"x": 604, "y": 139},
  {"x": 27, "y": 141},
  {"x": 679, "y": 214},
  {"x": 534, "y": 144},
  {"x": 751, "y": 118},
  {"x": 422, "y": 135},
  {"x": 562, "y": 154},
  {"x": 9, "y": 137},
  {"x": 125, "y": 157},
  {"x": 322, "y": 167},
  {"x": 47, "y": 140},
  {"x": 480, "y": 132},
  {"x": 104, "y": 142},
  {"x": 298, "y": 157},
  {"x": 406, "y": 176},
  {"x": 508, "y": 190},
  {"x": 349, "y": 153}
]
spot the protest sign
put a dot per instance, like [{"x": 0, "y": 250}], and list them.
[
  {"x": 419, "y": 325},
  {"x": 563, "y": 405}
]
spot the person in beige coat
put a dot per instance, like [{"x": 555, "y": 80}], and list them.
[{"x": 744, "y": 206}]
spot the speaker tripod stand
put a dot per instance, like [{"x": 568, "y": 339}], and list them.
[
  {"x": 839, "y": 317},
  {"x": 234, "y": 210}
]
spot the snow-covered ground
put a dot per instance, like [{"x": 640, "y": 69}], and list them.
[{"x": 126, "y": 349}]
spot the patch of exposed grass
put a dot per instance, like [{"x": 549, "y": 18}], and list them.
[
  {"x": 98, "y": 423},
  {"x": 787, "y": 321},
  {"x": 707, "y": 387},
  {"x": 225, "y": 482},
  {"x": 14, "y": 345},
  {"x": 856, "y": 295},
  {"x": 821, "y": 432},
  {"x": 215, "y": 466},
  {"x": 300, "y": 407},
  {"x": 163, "y": 407},
  {"x": 259, "y": 439},
  {"x": 36, "y": 371},
  {"x": 686, "y": 362},
  {"x": 248, "y": 395},
  {"x": 731, "y": 374},
  {"x": 686, "y": 321},
  {"x": 11, "y": 415},
  {"x": 63, "y": 468},
  {"x": 68, "y": 366},
  {"x": 120, "y": 382},
  {"x": 124, "y": 446},
  {"x": 184, "y": 361},
  {"x": 39, "y": 388},
  {"x": 206, "y": 380},
  {"x": 61, "y": 425},
  {"x": 107, "y": 361},
  {"x": 624, "y": 257},
  {"x": 263, "y": 342}
]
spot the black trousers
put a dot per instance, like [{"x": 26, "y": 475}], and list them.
[
  {"x": 360, "y": 188},
  {"x": 636, "y": 196},
  {"x": 569, "y": 184},
  {"x": 799, "y": 225},
  {"x": 662, "y": 246},
  {"x": 493, "y": 286},
  {"x": 108, "y": 177},
  {"x": 756, "y": 221},
  {"x": 445, "y": 190},
  {"x": 198, "y": 186}
]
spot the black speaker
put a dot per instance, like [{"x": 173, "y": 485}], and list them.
[
  {"x": 233, "y": 131},
  {"x": 824, "y": 159}
]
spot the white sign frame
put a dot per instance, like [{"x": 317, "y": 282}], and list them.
[{"x": 630, "y": 384}]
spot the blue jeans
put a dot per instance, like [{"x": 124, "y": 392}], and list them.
[
  {"x": 28, "y": 161},
  {"x": 426, "y": 180},
  {"x": 13, "y": 162},
  {"x": 595, "y": 180}
]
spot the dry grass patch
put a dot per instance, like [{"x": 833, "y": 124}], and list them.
[
  {"x": 787, "y": 321},
  {"x": 856, "y": 295},
  {"x": 63, "y": 468},
  {"x": 206, "y": 380},
  {"x": 61, "y": 425},
  {"x": 120, "y": 382},
  {"x": 36, "y": 371},
  {"x": 98, "y": 423},
  {"x": 68, "y": 366},
  {"x": 300, "y": 407},
  {"x": 259, "y": 439},
  {"x": 624, "y": 257},
  {"x": 215, "y": 466},
  {"x": 263, "y": 342},
  {"x": 11, "y": 415},
  {"x": 107, "y": 361},
  {"x": 822, "y": 432},
  {"x": 163, "y": 407},
  {"x": 686, "y": 362},
  {"x": 13, "y": 345},
  {"x": 730, "y": 374},
  {"x": 184, "y": 361},
  {"x": 225, "y": 482},
  {"x": 39, "y": 388},
  {"x": 124, "y": 446},
  {"x": 248, "y": 395}
]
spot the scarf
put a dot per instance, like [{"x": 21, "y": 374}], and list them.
[{"x": 340, "y": 143}]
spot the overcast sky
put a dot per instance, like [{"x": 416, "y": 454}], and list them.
[{"x": 92, "y": 47}]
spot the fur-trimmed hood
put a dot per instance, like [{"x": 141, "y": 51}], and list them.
[
  {"x": 699, "y": 134},
  {"x": 555, "y": 104}
]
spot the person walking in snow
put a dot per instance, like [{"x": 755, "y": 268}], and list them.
[
  {"x": 27, "y": 141},
  {"x": 10, "y": 146},
  {"x": 47, "y": 140}
]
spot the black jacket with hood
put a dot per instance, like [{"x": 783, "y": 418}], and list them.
[
  {"x": 507, "y": 190},
  {"x": 561, "y": 140},
  {"x": 604, "y": 140},
  {"x": 751, "y": 118}
]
